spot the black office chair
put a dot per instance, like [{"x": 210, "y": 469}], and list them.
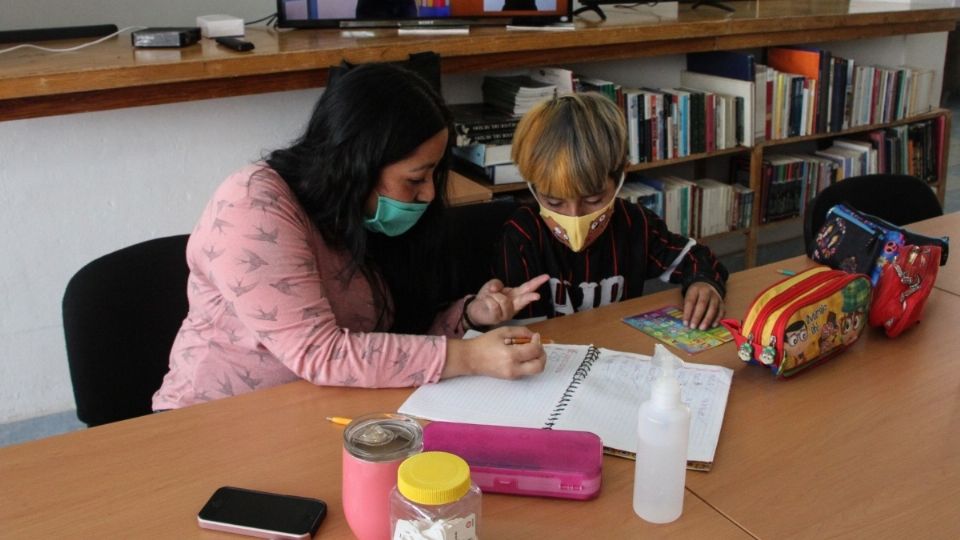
[
  {"x": 471, "y": 233},
  {"x": 121, "y": 313},
  {"x": 899, "y": 199}
]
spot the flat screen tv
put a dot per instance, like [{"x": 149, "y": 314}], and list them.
[{"x": 424, "y": 13}]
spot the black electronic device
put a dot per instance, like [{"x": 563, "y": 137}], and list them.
[
  {"x": 262, "y": 514},
  {"x": 712, "y": 3},
  {"x": 594, "y": 5},
  {"x": 62, "y": 32},
  {"x": 166, "y": 37},
  {"x": 414, "y": 13},
  {"x": 235, "y": 43}
]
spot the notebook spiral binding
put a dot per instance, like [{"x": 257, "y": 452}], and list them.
[{"x": 578, "y": 376}]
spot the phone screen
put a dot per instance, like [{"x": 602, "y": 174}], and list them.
[{"x": 261, "y": 511}]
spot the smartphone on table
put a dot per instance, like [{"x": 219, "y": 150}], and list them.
[{"x": 262, "y": 514}]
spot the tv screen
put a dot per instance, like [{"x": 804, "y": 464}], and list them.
[{"x": 360, "y": 13}]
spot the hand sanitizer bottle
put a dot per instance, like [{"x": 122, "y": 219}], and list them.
[{"x": 663, "y": 429}]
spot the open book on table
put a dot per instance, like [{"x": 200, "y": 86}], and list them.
[{"x": 582, "y": 388}]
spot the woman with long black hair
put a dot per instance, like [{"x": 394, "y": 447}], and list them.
[{"x": 322, "y": 261}]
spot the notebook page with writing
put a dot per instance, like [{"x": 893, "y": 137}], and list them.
[
  {"x": 608, "y": 401},
  {"x": 585, "y": 389},
  {"x": 525, "y": 402}
]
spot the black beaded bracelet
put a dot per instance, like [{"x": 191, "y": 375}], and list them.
[{"x": 466, "y": 318}]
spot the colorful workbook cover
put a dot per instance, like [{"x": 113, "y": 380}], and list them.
[{"x": 666, "y": 324}]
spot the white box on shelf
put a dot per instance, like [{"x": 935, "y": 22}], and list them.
[{"x": 214, "y": 26}]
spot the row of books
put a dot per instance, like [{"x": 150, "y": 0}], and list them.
[
  {"x": 696, "y": 208},
  {"x": 704, "y": 114},
  {"x": 716, "y": 110},
  {"x": 914, "y": 149},
  {"x": 805, "y": 90},
  {"x": 790, "y": 181}
]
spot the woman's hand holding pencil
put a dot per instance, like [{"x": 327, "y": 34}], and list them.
[{"x": 508, "y": 352}]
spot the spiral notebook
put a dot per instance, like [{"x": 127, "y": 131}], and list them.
[{"x": 583, "y": 388}]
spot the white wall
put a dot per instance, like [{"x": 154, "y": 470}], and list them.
[
  {"x": 75, "y": 187},
  {"x": 18, "y": 14}
]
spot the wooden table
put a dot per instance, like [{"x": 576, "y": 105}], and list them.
[
  {"x": 148, "y": 477},
  {"x": 865, "y": 446},
  {"x": 948, "y": 277}
]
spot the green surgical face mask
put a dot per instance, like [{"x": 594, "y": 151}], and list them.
[{"x": 393, "y": 217}]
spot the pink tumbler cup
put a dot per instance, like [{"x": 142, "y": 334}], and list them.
[{"x": 373, "y": 448}]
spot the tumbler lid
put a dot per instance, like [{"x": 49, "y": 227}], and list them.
[{"x": 383, "y": 437}]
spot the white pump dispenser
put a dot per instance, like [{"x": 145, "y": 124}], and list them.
[{"x": 663, "y": 430}]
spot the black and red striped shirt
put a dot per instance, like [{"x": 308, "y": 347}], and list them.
[{"x": 636, "y": 246}]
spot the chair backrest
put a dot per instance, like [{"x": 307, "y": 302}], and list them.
[
  {"x": 899, "y": 199},
  {"x": 471, "y": 233},
  {"x": 121, "y": 313}
]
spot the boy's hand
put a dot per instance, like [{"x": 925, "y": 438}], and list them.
[
  {"x": 702, "y": 306},
  {"x": 495, "y": 303}
]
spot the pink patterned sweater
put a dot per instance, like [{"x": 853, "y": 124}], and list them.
[{"x": 267, "y": 306}]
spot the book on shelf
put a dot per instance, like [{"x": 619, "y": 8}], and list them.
[
  {"x": 656, "y": 118},
  {"x": 680, "y": 120},
  {"x": 640, "y": 193},
  {"x": 583, "y": 388},
  {"x": 564, "y": 80},
  {"x": 494, "y": 138},
  {"x": 495, "y": 174},
  {"x": 727, "y": 64},
  {"x": 850, "y": 162},
  {"x": 741, "y": 115},
  {"x": 716, "y": 208},
  {"x": 679, "y": 202},
  {"x": 471, "y": 118},
  {"x": 867, "y": 154},
  {"x": 484, "y": 155},
  {"x": 742, "y": 211},
  {"x": 479, "y": 123},
  {"x": 634, "y": 120},
  {"x": 515, "y": 94},
  {"x": 602, "y": 86},
  {"x": 814, "y": 65}
]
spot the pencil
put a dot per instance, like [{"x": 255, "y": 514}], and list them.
[
  {"x": 522, "y": 341},
  {"x": 339, "y": 420}
]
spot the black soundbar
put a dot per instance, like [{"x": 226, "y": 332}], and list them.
[{"x": 64, "y": 32}]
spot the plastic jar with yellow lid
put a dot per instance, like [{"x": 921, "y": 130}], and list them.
[{"x": 434, "y": 498}]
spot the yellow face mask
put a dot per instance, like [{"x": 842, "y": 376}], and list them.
[{"x": 577, "y": 232}]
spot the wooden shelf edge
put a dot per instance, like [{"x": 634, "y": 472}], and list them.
[
  {"x": 45, "y": 94},
  {"x": 633, "y": 167},
  {"x": 728, "y": 234},
  {"x": 859, "y": 129}
]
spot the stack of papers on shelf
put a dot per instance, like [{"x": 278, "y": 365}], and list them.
[{"x": 515, "y": 94}]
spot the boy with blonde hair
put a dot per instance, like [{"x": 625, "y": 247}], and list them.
[{"x": 596, "y": 248}]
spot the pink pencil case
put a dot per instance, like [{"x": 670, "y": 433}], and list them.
[{"x": 523, "y": 461}]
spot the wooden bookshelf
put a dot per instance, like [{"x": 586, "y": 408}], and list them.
[
  {"x": 633, "y": 167},
  {"x": 113, "y": 75}
]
